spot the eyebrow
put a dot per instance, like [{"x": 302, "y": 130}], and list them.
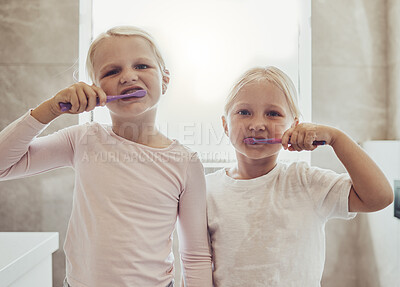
[
  {"x": 243, "y": 104},
  {"x": 108, "y": 67},
  {"x": 145, "y": 59},
  {"x": 113, "y": 66}
]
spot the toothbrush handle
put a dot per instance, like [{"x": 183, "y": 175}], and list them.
[
  {"x": 65, "y": 106},
  {"x": 319, "y": 142},
  {"x": 138, "y": 94},
  {"x": 278, "y": 141},
  {"x": 314, "y": 142}
]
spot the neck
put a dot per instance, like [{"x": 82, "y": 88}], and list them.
[
  {"x": 252, "y": 168},
  {"x": 140, "y": 130}
]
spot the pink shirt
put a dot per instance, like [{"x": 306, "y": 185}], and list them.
[{"x": 126, "y": 201}]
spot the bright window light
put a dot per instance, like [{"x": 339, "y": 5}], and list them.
[{"x": 206, "y": 45}]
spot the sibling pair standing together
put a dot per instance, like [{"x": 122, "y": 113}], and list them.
[{"x": 260, "y": 223}]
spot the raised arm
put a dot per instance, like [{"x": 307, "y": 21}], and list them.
[
  {"x": 22, "y": 154},
  {"x": 192, "y": 229},
  {"x": 81, "y": 96},
  {"x": 371, "y": 190}
]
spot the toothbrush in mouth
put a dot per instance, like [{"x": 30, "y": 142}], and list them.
[
  {"x": 273, "y": 141},
  {"x": 138, "y": 94}
]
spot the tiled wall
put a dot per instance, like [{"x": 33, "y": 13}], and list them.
[
  {"x": 349, "y": 66},
  {"x": 38, "y": 55},
  {"x": 355, "y": 86},
  {"x": 393, "y": 60}
]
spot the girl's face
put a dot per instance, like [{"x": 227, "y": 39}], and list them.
[
  {"x": 260, "y": 110},
  {"x": 123, "y": 65}
]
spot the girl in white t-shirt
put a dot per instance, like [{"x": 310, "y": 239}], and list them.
[
  {"x": 266, "y": 219},
  {"x": 132, "y": 182}
]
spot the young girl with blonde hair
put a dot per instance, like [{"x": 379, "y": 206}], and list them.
[
  {"x": 266, "y": 219},
  {"x": 131, "y": 181}
]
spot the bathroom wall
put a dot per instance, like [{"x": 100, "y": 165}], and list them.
[
  {"x": 38, "y": 55},
  {"x": 384, "y": 228},
  {"x": 393, "y": 62},
  {"x": 355, "y": 66}
]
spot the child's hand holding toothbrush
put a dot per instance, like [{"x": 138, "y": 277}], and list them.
[
  {"x": 82, "y": 97},
  {"x": 301, "y": 136}
]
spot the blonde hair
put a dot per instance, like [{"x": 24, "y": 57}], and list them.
[
  {"x": 123, "y": 31},
  {"x": 268, "y": 74}
]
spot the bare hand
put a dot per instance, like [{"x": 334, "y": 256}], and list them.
[
  {"x": 301, "y": 137},
  {"x": 81, "y": 96}
]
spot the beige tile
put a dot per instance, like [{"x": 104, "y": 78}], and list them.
[
  {"x": 352, "y": 99},
  {"x": 56, "y": 196},
  {"x": 367, "y": 266},
  {"x": 393, "y": 107},
  {"x": 393, "y": 22},
  {"x": 20, "y": 205},
  {"x": 39, "y": 203},
  {"x": 38, "y": 55},
  {"x": 56, "y": 210},
  {"x": 341, "y": 255},
  {"x": 25, "y": 87},
  {"x": 325, "y": 157},
  {"x": 39, "y": 31},
  {"x": 348, "y": 32},
  {"x": 43, "y": 202}
]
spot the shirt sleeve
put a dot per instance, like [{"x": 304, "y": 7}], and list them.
[
  {"x": 192, "y": 228},
  {"x": 330, "y": 192},
  {"x": 23, "y": 154}
]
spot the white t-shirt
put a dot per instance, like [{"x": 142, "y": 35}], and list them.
[{"x": 269, "y": 231}]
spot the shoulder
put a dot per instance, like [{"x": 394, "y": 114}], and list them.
[
  {"x": 300, "y": 168},
  {"x": 215, "y": 179},
  {"x": 81, "y": 131},
  {"x": 185, "y": 153},
  {"x": 82, "y": 128},
  {"x": 294, "y": 166},
  {"x": 216, "y": 174},
  {"x": 303, "y": 174}
]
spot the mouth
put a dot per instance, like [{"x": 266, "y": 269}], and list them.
[
  {"x": 255, "y": 140},
  {"x": 130, "y": 90},
  {"x": 262, "y": 141}
]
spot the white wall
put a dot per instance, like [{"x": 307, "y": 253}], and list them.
[{"x": 384, "y": 227}]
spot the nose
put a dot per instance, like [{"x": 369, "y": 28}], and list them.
[
  {"x": 128, "y": 76},
  {"x": 257, "y": 124}
]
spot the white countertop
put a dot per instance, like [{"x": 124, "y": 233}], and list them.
[{"x": 21, "y": 251}]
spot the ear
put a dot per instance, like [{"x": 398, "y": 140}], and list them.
[
  {"x": 295, "y": 122},
  {"x": 165, "y": 81},
  {"x": 225, "y": 125}
]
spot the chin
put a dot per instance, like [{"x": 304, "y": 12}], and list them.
[{"x": 256, "y": 155}]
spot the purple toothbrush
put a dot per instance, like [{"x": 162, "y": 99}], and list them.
[
  {"x": 138, "y": 94},
  {"x": 273, "y": 141}
]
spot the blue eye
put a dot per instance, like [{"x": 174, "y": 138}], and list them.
[
  {"x": 110, "y": 73},
  {"x": 273, "y": 114},
  {"x": 142, "y": 66},
  {"x": 244, "y": 112}
]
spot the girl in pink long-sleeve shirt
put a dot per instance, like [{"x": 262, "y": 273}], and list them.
[{"x": 131, "y": 181}]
